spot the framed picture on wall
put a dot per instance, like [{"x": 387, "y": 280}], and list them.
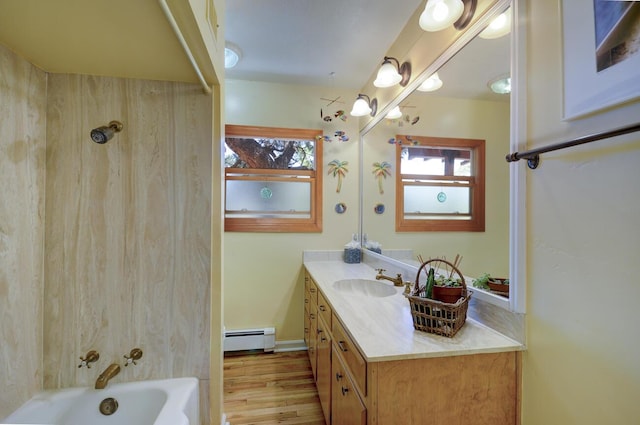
[{"x": 601, "y": 55}]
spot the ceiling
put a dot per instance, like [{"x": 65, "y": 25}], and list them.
[
  {"x": 118, "y": 38},
  {"x": 335, "y": 43},
  {"x": 327, "y": 43}
]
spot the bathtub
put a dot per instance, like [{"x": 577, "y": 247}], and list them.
[{"x": 160, "y": 402}]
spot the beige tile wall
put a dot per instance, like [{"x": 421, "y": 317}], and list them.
[
  {"x": 128, "y": 227},
  {"x": 22, "y": 188}
]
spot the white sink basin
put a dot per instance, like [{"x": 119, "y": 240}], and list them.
[{"x": 366, "y": 287}]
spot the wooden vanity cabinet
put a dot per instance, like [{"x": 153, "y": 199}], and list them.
[
  {"x": 311, "y": 320},
  {"x": 479, "y": 389},
  {"x": 323, "y": 367},
  {"x": 346, "y": 406}
]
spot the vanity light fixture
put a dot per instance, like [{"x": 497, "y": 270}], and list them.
[
  {"x": 500, "y": 26},
  {"x": 439, "y": 14},
  {"x": 432, "y": 83},
  {"x": 501, "y": 84},
  {"x": 231, "y": 55},
  {"x": 364, "y": 106},
  {"x": 394, "y": 114},
  {"x": 389, "y": 74}
]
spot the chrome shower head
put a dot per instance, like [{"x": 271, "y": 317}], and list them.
[{"x": 105, "y": 133}]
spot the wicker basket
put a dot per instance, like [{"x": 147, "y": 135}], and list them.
[{"x": 434, "y": 316}]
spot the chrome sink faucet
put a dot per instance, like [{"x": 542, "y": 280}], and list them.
[{"x": 397, "y": 281}]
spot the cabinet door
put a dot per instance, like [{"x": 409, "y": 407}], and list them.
[
  {"x": 313, "y": 332},
  {"x": 323, "y": 380},
  {"x": 346, "y": 406}
]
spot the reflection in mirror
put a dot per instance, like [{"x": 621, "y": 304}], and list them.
[
  {"x": 439, "y": 184},
  {"x": 463, "y": 108}
]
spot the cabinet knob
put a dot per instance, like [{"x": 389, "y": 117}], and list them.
[
  {"x": 345, "y": 390},
  {"x": 342, "y": 346},
  {"x": 338, "y": 376},
  {"x": 322, "y": 308}
]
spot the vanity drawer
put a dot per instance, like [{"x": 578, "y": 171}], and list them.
[
  {"x": 310, "y": 291},
  {"x": 353, "y": 359},
  {"x": 324, "y": 309}
]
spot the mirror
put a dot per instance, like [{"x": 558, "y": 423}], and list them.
[{"x": 464, "y": 107}]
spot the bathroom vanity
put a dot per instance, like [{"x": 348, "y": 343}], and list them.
[{"x": 372, "y": 368}]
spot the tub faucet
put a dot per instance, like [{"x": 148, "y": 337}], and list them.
[
  {"x": 105, "y": 376},
  {"x": 397, "y": 281}
]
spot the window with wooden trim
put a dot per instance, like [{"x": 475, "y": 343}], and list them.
[
  {"x": 440, "y": 184},
  {"x": 273, "y": 179}
]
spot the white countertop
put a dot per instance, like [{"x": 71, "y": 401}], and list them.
[{"x": 383, "y": 327}]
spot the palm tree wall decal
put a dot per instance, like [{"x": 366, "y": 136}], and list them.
[
  {"x": 338, "y": 169},
  {"x": 380, "y": 172}
]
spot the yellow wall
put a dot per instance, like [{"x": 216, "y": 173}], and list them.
[
  {"x": 263, "y": 280},
  {"x": 583, "y": 239}
]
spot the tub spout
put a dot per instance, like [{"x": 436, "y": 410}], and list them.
[{"x": 105, "y": 376}]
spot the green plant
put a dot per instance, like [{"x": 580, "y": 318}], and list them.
[
  {"x": 499, "y": 281},
  {"x": 448, "y": 281},
  {"x": 482, "y": 282}
]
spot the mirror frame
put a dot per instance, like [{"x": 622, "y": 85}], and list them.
[{"x": 517, "y": 172}]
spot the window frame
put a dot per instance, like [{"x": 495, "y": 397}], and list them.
[
  {"x": 477, "y": 186},
  {"x": 313, "y": 224}
]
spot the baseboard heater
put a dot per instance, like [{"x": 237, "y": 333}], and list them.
[{"x": 250, "y": 339}]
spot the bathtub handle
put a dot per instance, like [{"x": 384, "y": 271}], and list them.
[
  {"x": 89, "y": 358},
  {"x": 135, "y": 354}
]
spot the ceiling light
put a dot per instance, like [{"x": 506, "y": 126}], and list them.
[
  {"x": 394, "y": 114},
  {"x": 500, "y": 26},
  {"x": 432, "y": 83},
  {"x": 439, "y": 14},
  {"x": 231, "y": 55},
  {"x": 500, "y": 85},
  {"x": 390, "y": 74},
  {"x": 364, "y": 106}
]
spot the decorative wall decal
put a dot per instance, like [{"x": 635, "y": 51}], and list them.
[
  {"x": 338, "y": 169},
  {"x": 338, "y": 135},
  {"x": 380, "y": 172},
  {"x": 399, "y": 141}
]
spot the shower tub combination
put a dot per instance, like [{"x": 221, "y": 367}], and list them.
[{"x": 160, "y": 402}]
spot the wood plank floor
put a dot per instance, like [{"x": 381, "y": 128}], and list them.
[{"x": 270, "y": 389}]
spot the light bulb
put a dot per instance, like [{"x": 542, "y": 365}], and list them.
[
  {"x": 500, "y": 26},
  {"x": 394, "y": 114},
  {"x": 360, "y": 108},
  {"x": 439, "y": 14},
  {"x": 387, "y": 75},
  {"x": 431, "y": 84}
]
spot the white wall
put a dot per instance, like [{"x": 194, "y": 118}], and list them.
[{"x": 583, "y": 204}]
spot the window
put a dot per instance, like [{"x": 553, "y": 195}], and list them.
[
  {"x": 439, "y": 184},
  {"x": 273, "y": 179}
]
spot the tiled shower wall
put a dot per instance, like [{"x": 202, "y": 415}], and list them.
[
  {"x": 117, "y": 254},
  {"x": 128, "y": 229},
  {"x": 22, "y": 188}
]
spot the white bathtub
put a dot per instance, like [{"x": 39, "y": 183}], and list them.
[{"x": 161, "y": 402}]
